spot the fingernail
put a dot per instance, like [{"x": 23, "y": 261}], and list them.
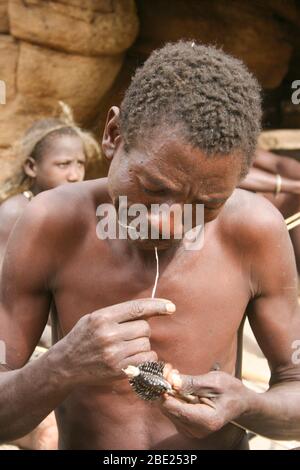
[{"x": 170, "y": 307}]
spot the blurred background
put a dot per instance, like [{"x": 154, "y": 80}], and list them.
[{"x": 84, "y": 52}]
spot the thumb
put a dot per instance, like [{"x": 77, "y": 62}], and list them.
[{"x": 200, "y": 385}]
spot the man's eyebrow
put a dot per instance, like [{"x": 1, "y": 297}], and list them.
[{"x": 158, "y": 182}]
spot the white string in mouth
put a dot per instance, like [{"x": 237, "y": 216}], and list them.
[
  {"x": 157, "y": 262},
  {"x": 126, "y": 226},
  {"x": 157, "y": 274},
  {"x": 132, "y": 228}
]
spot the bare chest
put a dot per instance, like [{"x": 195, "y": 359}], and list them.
[{"x": 209, "y": 289}]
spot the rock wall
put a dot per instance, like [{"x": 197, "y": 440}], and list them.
[
  {"x": 74, "y": 50},
  {"x": 4, "y": 25},
  {"x": 70, "y": 50}
]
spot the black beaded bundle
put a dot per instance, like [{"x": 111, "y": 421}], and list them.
[{"x": 147, "y": 380}]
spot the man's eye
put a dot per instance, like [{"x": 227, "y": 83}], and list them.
[{"x": 155, "y": 192}]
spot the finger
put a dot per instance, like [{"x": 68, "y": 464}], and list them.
[
  {"x": 208, "y": 401},
  {"x": 167, "y": 370},
  {"x": 202, "y": 385},
  {"x": 172, "y": 376},
  {"x": 134, "y": 347},
  {"x": 133, "y": 330},
  {"x": 140, "y": 308},
  {"x": 189, "y": 430},
  {"x": 175, "y": 408},
  {"x": 175, "y": 405},
  {"x": 138, "y": 359},
  {"x": 187, "y": 413}
]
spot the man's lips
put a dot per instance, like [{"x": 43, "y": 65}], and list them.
[
  {"x": 153, "y": 231},
  {"x": 148, "y": 244}
]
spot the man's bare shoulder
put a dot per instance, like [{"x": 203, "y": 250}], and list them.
[
  {"x": 61, "y": 214},
  {"x": 83, "y": 192},
  {"x": 249, "y": 218},
  {"x": 256, "y": 234},
  {"x": 69, "y": 202}
]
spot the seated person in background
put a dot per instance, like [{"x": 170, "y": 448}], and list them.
[
  {"x": 278, "y": 179},
  {"x": 53, "y": 152}
]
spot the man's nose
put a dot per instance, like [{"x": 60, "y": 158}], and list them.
[{"x": 167, "y": 222}]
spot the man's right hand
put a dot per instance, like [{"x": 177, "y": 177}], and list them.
[{"x": 106, "y": 341}]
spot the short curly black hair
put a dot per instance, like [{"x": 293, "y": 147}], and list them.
[{"x": 209, "y": 94}]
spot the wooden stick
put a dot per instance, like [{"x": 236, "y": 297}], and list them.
[
  {"x": 293, "y": 224},
  {"x": 292, "y": 218}
]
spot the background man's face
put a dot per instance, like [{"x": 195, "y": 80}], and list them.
[{"x": 168, "y": 170}]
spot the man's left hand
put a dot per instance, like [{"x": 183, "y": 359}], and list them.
[{"x": 225, "y": 399}]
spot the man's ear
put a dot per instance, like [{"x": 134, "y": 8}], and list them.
[
  {"x": 30, "y": 167},
  {"x": 111, "y": 136}
]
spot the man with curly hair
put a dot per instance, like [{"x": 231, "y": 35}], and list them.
[{"x": 185, "y": 134}]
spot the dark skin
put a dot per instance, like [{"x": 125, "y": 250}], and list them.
[
  {"x": 262, "y": 178},
  {"x": 81, "y": 375},
  {"x": 63, "y": 162}
]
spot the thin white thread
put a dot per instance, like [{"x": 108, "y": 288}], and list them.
[
  {"x": 157, "y": 274},
  {"x": 126, "y": 226},
  {"x": 157, "y": 265},
  {"x": 131, "y": 228}
]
